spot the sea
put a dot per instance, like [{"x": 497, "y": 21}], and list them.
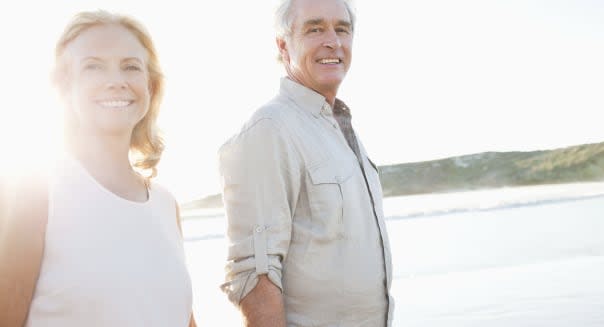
[{"x": 517, "y": 256}]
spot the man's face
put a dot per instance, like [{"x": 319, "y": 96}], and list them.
[{"x": 317, "y": 54}]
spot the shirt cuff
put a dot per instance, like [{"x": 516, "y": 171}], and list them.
[{"x": 243, "y": 283}]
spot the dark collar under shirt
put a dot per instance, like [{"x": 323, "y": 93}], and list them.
[{"x": 341, "y": 113}]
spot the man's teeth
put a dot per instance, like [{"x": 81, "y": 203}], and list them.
[
  {"x": 115, "y": 103},
  {"x": 329, "y": 61}
]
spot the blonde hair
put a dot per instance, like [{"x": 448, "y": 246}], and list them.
[{"x": 146, "y": 143}]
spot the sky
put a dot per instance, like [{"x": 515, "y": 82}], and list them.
[{"x": 429, "y": 78}]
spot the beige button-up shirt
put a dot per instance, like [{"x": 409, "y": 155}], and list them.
[{"x": 300, "y": 209}]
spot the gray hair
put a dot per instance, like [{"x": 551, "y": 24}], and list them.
[{"x": 284, "y": 18}]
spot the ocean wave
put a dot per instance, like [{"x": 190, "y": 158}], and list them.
[{"x": 482, "y": 208}]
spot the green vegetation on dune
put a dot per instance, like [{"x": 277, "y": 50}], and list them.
[{"x": 583, "y": 163}]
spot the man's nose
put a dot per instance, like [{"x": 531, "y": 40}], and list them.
[{"x": 332, "y": 40}]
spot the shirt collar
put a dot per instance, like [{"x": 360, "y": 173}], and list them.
[
  {"x": 341, "y": 109},
  {"x": 304, "y": 97},
  {"x": 311, "y": 100}
]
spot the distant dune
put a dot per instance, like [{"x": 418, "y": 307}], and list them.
[
  {"x": 212, "y": 201},
  {"x": 582, "y": 163}
]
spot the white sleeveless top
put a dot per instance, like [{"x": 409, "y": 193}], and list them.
[{"x": 109, "y": 261}]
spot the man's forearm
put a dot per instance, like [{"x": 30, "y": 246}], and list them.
[{"x": 263, "y": 306}]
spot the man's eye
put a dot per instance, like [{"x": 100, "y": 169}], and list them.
[
  {"x": 314, "y": 30},
  {"x": 343, "y": 30}
]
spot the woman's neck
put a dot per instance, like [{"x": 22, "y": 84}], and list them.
[{"x": 107, "y": 160}]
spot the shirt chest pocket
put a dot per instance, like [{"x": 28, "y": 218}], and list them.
[{"x": 326, "y": 187}]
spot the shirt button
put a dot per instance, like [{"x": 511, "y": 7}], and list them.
[{"x": 259, "y": 229}]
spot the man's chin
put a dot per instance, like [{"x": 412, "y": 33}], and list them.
[{"x": 331, "y": 83}]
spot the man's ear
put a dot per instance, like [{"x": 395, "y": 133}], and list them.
[{"x": 282, "y": 46}]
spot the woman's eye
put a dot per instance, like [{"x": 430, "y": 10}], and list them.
[
  {"x": 93, "y": 67},
  {"x": 133, "y": 68}
]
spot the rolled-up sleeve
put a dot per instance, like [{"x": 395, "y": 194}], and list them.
[{"x": 261, "y": 180}]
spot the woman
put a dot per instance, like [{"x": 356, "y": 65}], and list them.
[{"x": 100, "y": 245}]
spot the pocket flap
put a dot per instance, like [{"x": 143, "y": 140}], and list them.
[{"x": 329, "y": 173}]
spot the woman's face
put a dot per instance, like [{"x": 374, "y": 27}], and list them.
[{"x": 107, "y": 90}]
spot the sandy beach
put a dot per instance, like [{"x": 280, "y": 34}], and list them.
[{"x": 529, "y": 265}]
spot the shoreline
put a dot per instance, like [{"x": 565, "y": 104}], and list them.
[{"x": 444, "y": 203}]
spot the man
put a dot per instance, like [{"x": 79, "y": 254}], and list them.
[{"x": 308, "y": 244}]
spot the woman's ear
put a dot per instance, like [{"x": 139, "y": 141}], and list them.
[
  {"x": 60, "y": 79},
  {"x": 151, "y": 87}
]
